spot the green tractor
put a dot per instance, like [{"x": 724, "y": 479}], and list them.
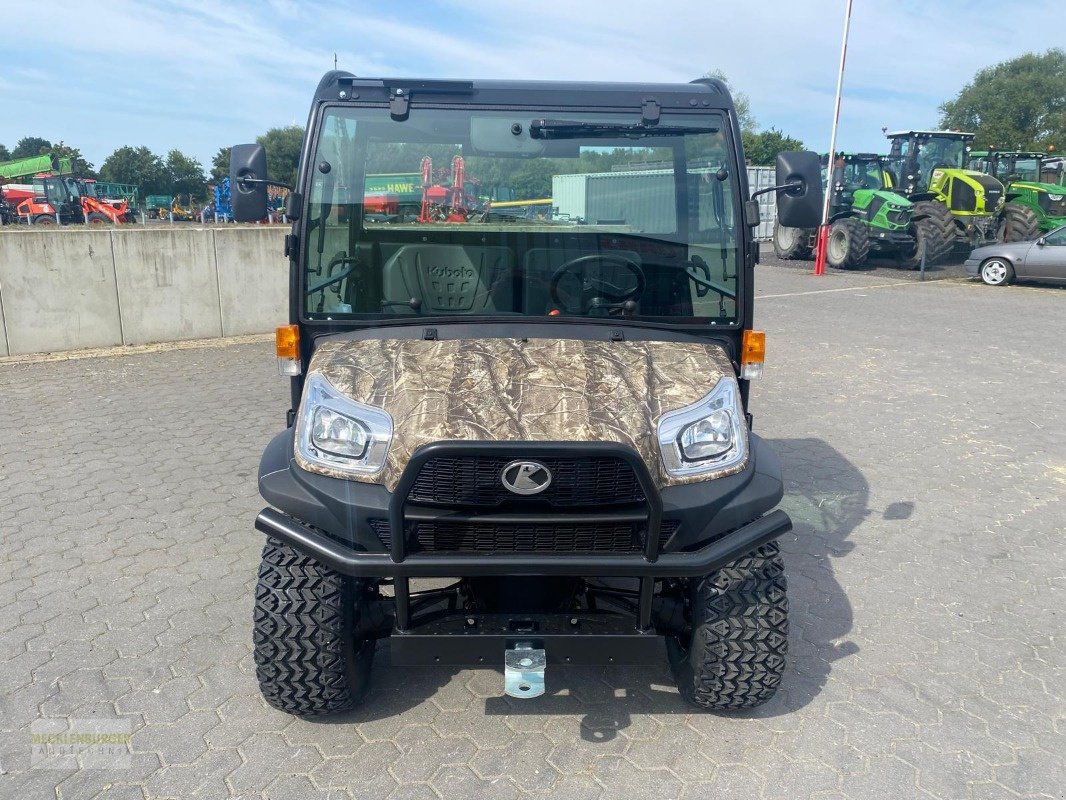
[
  {"x": 863, "y": 216},
  {"x": 952, "y": 203},
  {"x": 1034, "y": 205}
]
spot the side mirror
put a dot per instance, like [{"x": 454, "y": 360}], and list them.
[
  {"x": 1041, "y": 241},
  {"x": 799, "y": 205},
  {"x": 247, "y": 177}
]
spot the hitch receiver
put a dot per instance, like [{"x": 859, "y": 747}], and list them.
[{"x": 523, "y": 671}]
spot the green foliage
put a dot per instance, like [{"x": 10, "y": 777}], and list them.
[
  {"x": 762, "y": 148},
  {"x": 81, "y": 167},
  {"x": 741, "y": 101},
  {"x": 220, "y": 164},
  {"x": 138, "y": 166},
  {"x": 185, "y": 175},
  {"x": 5, "y": 154},
  {"x": 1020, "y": 103},
  {"x": 30, "y": 146},
  {"x": 283, "y": 152}
]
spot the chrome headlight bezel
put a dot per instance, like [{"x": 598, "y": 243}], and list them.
[
  {"x": 319, "y": 393},
  {"x": 725, "y": 396}
]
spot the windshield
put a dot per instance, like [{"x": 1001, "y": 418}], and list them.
[
  {"x": 940, "y": 153},
  {"x": 857, "y": 173},
  {"x": 1023, "y": 169},
  {"x": 501, "y": 213}
]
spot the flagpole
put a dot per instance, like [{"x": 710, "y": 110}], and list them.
[{"x": 823, "y": 230}]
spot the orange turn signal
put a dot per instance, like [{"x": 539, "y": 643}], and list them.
[
  {"x": 287, "y": 344},
  {"x": 753, "y": 354},
  {"x": 287, "y": 339}
]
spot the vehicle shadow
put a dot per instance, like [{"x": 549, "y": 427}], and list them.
[{"x": 826, "y": 496}]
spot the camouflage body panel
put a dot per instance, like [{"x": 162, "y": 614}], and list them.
[{"x": 558, "y": 390}]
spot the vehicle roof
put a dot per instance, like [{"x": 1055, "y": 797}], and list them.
[
  {"x": 701, "y": 93},
  {"x": 998, "y": 152},
  {"x": 952, "y": 134}
]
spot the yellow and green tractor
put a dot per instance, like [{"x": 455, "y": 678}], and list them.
[
  {"x": 952, "y": 203},
  {"x": 1034, "y": 204},
  {"x": 864, "y": 215}
]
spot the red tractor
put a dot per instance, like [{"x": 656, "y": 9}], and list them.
[{"x": 54, "y": 200}]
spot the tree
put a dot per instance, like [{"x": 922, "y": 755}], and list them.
[
  {"x": 81, "y": 167},
  {"x": 185, "y": 175},
  {"x": 138, "y": 166},
  {"x": 30, "y": 146},
  {"x": 1020, "y": 103},
  {"x": 283, "y": 152},
  {"x": 5, "y": 154},
  {"x": 220, "y": 164},
  {"x": 762, "y": 148},
  {"x": 741, "y": 101}
]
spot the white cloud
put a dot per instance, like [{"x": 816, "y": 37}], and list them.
[{"x": 198, "y": 75}]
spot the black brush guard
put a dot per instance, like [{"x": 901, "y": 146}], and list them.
[{"x": 461, "y": 637}]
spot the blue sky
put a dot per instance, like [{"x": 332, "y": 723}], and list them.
[{"x": 199, "y": 75}]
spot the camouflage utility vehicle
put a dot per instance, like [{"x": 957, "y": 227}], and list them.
[{"x": 547, "y": 415}]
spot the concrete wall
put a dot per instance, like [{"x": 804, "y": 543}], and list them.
[{"x": 75, "y": 288}]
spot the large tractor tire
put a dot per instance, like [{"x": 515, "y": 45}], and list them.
[
  {"x": 848, "y": 245},
  {"x": 308, "y": 659},
  {"x": 735, "y": 654},
  {"x": 934, "y": 232},
  {"x": 1019, "y": 223},
  {"x": 97, "y": 218},
  {"x": 791, "y": 243},
  {"x": 45, "y": 219}
]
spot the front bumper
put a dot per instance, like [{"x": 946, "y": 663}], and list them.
[
  {"x": 713, "y": 522},
  {"x": 891, "y": 240},
  {"x": 972, "y": 266}
]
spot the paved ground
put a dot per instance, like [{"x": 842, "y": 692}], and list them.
[
  {"x": 877, "y": 266},
  {"x": 923, "y": 435}
]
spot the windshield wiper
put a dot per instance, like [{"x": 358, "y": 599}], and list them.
[{"x": 575, "y": 129}]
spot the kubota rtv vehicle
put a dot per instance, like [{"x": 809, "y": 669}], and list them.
[
  {"x": 551, "y": 416},
  {"x": 863, "y": 214},
  {"x": 1033, "y": 205},
  {"x": 951, "y": 202}
]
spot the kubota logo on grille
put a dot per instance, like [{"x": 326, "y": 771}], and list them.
[{"x": 526, "y": 477}]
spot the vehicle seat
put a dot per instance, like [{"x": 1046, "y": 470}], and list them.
[{"x": 451, "y": 278}]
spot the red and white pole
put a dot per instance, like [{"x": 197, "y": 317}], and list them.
[{"x": 823, "y": 229}]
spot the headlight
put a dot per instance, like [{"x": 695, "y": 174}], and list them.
[
  {"x": 707, "y": 436},
  {"x": 339, "y": 434}
]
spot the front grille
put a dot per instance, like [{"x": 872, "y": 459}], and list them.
[
  {"x": 897, "y": 217},
  {"x": 963, "y": 197},
  {"x": 576, "y": 482},
  {"x": 542, "y": 537},
  {"x": 1053, "y": 208}
]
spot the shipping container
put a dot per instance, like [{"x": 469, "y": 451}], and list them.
[{"x": 644, "y": 199}]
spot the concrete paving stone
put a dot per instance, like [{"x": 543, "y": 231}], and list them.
[
  {"x": 925, "y": 649},
  {"x": 423, "y": 751},
  {"x": 299, "y": 787},
  {"x": 263, "y": 755},
  {"x": 524, "y": 761},
  {"x": 462, "y": 782},
  {"x": 622, "y": 778}
]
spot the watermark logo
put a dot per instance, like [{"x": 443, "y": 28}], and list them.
[{"x": 74, "y": 743}]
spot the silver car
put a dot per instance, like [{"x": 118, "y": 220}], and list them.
[{"x": 1042, "y": 260}]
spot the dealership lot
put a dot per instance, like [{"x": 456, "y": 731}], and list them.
[{"x": 924, "y": 446}]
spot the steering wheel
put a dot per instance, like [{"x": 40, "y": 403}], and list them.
[{"x": 594, "y": 287}]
